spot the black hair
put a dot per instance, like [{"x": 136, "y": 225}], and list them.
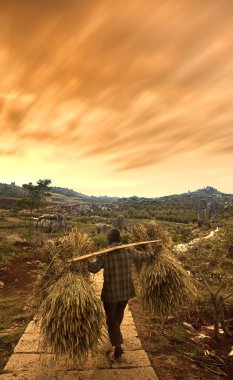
[{"x": 114, "y": 236}]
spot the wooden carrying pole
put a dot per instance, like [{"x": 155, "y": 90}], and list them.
[{"x": 115, "y": 248}]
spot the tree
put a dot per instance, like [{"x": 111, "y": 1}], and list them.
[
  {"x": 36, "y": 193},
  {"x": 211, "y": 265},
  {"x": 120, "y": 222},
  {"x": 218, "y": 302}
]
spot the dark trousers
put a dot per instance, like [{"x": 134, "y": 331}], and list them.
[{"x": 114, "y": 316}]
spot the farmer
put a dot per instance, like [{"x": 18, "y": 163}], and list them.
[{"x": 118, "y": 285}]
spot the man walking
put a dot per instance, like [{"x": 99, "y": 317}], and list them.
[{"x": 118, "y": 285}]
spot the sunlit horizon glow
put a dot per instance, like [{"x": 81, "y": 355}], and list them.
[{"x": 117, "y": 98}]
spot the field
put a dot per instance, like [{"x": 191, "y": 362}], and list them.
[{"x": 183, "y": 343}]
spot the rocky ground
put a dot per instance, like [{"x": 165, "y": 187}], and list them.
[
  {"x": 17, "y": 279},
  {"x": 183, "y": 346}
]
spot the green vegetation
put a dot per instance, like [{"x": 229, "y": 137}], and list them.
[
  {"x": 100, "y": 240},
  {"x": 209, "y": 261},
  {"x": 13, "y": 321},
  {"x": 7, "y": 252},
  {"x": 36, "y": 193}
]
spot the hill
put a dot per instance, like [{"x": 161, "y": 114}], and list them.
[
  {"x": 67, "y": 192},
  {"x": 11, "y": 190},
  {"x": 206, "y": 192}
]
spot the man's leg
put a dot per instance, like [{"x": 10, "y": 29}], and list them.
[
  {"x": 120, "y": 310},
  {"x": 121, "y": 305},
  {"x": 114, "y": 316},
  {"x": 112, "y": 323}
]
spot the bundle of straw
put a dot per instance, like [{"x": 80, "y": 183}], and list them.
[
  {"x": 72, "y": 318},
  {"x": 165, "y": 284},
  {"x": 55, "y": 254},
  {"x": 151, "y": 231},
  {"x": 71, "y": 315}
]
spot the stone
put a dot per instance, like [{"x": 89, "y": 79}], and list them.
[
  {"x": 132, "y": 359},
  {"x": 98, "y": 362},
  {"x": 15, "y": 239},
  {"x": 132, "y": 344},
  {"x": 42, "y": 375},
  {"x": 41, "y": 362},
  {"x": 188, "y": 326},
  {"x": 36, "y": 362},
  {"x": 145, "y": 373},
  {"x": 128, "y": 320},
  {"x": 26, "y": 345},
  {"x": 32, "y": 328},
  {"x": 2, "y": 284},
  {"x": 128, "y": 332}
]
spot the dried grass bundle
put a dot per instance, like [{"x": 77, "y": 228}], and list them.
[
  {"x": 72, "y": 318},
  {"x": 150, "y": 231},
  {"x": 55, "y": 253},
  {"x": 165, "y": 284},
  {"x": 71, "y": 315}
]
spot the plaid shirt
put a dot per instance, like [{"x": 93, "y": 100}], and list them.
[{"x": 118, "y": 284}]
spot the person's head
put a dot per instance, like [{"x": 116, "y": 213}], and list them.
[{"x": 114, "y": 236}]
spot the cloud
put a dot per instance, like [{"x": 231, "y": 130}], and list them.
[
  {"x": 131, "y": 82},
  {"x": 9, "y": 152}
]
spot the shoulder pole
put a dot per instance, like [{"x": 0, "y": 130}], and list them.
[{"x": 116, "y": 248}]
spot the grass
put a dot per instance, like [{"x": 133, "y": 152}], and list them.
[
  {"x": 6, "y": 301},
  {"x": 7, "y": 344},
  {"x": 14, "y": 319},
  {"x": 7, "y": 253},
  {"x": 100, "y": 240},
  {"x": 178, "y": 333},
  {"x": 12, "y": 309},
  {"x": 15, "y": 312}
]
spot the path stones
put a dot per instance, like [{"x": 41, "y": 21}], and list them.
[{"x": 28, "y": 362}]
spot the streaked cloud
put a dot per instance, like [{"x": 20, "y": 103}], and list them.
[{"x": 130, "y": 84}]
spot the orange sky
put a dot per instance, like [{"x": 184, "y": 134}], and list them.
[{"x": 117, "y": 97}]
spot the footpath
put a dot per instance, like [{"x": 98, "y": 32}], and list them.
[{"x": 29, "y": 363}]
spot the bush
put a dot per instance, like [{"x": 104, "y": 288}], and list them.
[
  {"x": 100, "y": 240},
  {"x": 7, "y": 253},
  {"x": 125, "y": 238}
]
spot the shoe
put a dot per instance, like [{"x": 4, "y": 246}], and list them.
[{"x": 118, "y": 352}]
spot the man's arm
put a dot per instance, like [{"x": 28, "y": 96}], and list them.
[
  {"x": 144, "y": 256},
  {"x": 95, "y": 266}
]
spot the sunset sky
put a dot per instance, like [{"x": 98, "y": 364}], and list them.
[{"x": 117, "y": 97}]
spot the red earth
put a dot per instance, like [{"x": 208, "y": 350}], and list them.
[{"x": 171, "y": 353}]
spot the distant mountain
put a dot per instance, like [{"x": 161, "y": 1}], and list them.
[
  {"x": 67, "y": 192},
  {"x": 205, "y": 192},
  {"x": 11, "y": 190},
  {"x": 208, "y": 190}
]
